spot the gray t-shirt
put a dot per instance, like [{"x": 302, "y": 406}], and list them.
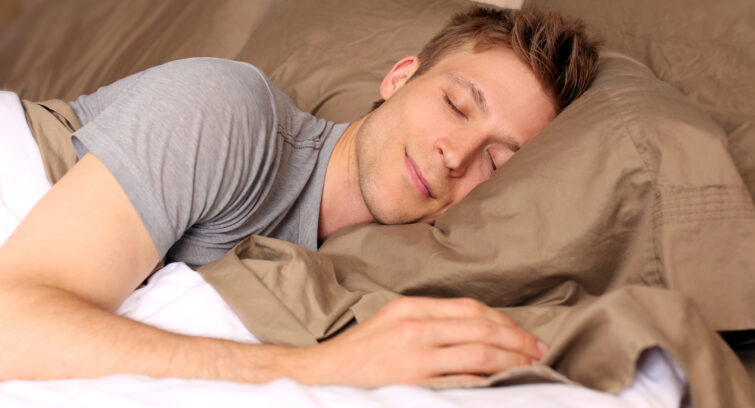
[{"x": 209, "y": 152}]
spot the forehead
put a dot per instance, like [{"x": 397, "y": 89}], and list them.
[
  {"x": 490, "y": 67},
  {"x": 511, "y": 92}
]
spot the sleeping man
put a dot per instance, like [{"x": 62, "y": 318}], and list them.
[{"x": 184, "y": 160}]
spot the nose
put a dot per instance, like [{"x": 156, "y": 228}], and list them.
[{"x": 458, "y": 151}]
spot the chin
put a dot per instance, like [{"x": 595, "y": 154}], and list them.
[
  {"x": 387, "y": 216},
  {"x": 384, "y": 211}
]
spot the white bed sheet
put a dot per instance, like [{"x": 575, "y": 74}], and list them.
[
  {"x": 22, "y": 177},
  {"x": 178, "y": 299}
]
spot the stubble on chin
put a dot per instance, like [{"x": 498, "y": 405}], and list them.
[
  {"x": 375, "y": 197},
  {"x": 367, "y": 168},
  {"x": 383, "y": 208}
]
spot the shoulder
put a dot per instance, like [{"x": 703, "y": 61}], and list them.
[
  {"x": 210, "y": 77},
  {"x": 212, "y": 72},
  {"x": 210, "y": 87}
]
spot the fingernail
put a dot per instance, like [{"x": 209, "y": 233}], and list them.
[
  {"x": 534, "y": 362},
  {"x": 542, "y": 347}
]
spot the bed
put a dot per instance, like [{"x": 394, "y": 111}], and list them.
[{"x": 624, "y": 234}]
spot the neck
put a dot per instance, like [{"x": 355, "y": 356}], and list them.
[{"x": 342, "y": 204}]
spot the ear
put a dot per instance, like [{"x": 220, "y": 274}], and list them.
[{"x": 398, "y": 75}]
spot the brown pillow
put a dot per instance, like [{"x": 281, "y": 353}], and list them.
[{"x": 704, "y": 48}]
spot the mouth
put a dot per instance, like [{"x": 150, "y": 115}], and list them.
[{"x": 415, "y": 176}]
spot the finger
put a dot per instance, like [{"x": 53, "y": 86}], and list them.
[
  {"x": 443, "y": 380},
  {"x": 456, "y": 308},
  {"x": 474, "y": 359},
  {"x": 451, "y": 332}
]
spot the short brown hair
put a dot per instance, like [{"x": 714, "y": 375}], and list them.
[{"x": 557, "y": 49}]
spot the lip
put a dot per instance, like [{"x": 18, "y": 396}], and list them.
[{"x": 416, "y": 177}]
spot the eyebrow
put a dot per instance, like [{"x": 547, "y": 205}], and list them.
[
  {"x": 479, "y": 98},
  {"x": 477, "y": 95}
]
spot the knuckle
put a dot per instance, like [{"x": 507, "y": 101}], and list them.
[
  {"x": 472, "y": 306},
  {"x": 480, "y": 355},
  {"x": 408, "y": 328},
  {"x": 484, "y": 329},
  {"x": 400, "y": 306},
  {"x": 508, "y": 321}
]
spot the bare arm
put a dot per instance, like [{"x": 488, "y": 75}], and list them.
[
  {"x": 83, "y": 249},
  {"x": 73, "y": 260}
]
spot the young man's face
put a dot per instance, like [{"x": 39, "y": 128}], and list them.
[{"x": 441, "y": 134}]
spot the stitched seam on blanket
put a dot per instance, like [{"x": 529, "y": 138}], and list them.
[{"x": 709, "y": 203}]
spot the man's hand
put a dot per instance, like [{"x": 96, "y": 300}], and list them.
[{"x": 423, "y": 340}]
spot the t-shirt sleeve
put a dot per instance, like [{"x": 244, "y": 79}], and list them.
[{"x": 186, "y": 141}]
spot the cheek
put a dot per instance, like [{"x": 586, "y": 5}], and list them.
[
  {"x": 428, "y": 129},
  {"x": 424, "y": 112}
]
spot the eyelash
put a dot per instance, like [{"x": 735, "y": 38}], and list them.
[{"x": 453, "y": 107}]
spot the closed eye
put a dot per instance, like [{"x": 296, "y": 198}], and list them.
[{"x": 453, "y": 107}]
